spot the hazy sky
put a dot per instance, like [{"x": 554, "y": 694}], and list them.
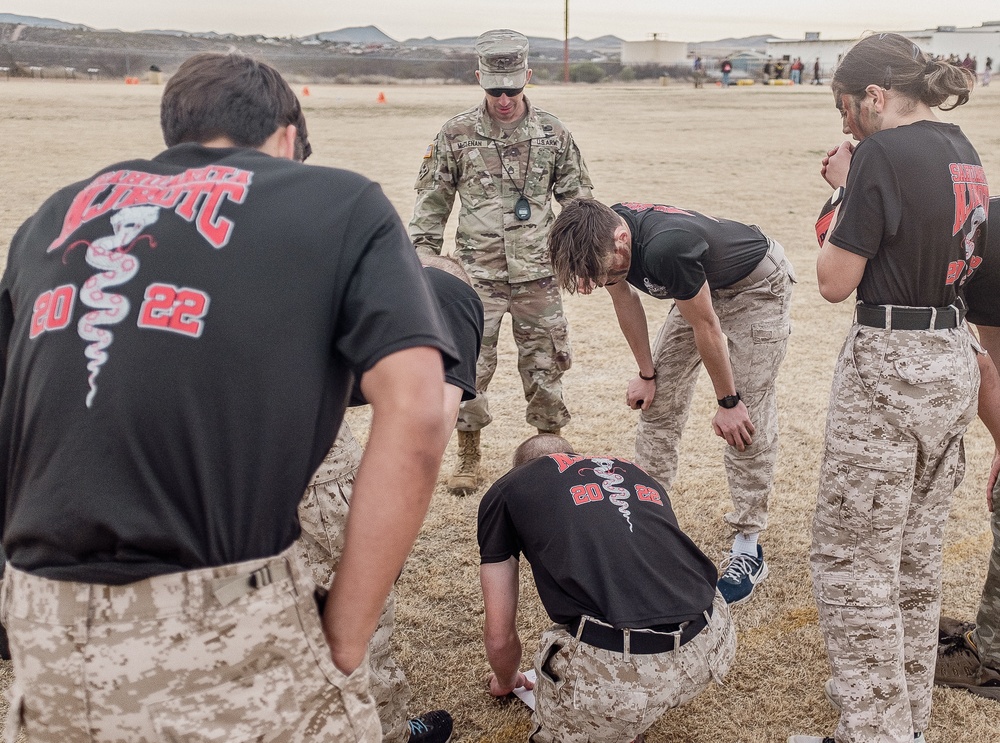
[{"x": 632, "y": 20}]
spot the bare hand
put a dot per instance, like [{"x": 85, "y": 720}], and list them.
[
  {"x": 640, "y": 393},
  {"x": 994, "y": 471},
  {"x": 501, "y": 690},
  {"x": 733, "y": 424},
  {"x": 836, "y": 164}
]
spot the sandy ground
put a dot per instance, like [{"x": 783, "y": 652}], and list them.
[{"x": 750, "y": 154}]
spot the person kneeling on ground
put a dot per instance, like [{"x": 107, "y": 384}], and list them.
[{"x": 638, "y": 632}]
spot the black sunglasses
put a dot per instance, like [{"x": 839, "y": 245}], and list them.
[{"x": 509, "y": 92}]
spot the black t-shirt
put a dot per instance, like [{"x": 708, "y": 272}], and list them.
[
  {"x": 462, "y": 312},
  {"x": 675, "y": 251},
  {"x": 915, "y": 205},
  {"x": 601, "y": 538},
  {"x": 180, "y": 336},
  {"x": 982, "y": 290}
]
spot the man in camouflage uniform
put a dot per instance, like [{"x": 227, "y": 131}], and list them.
[
  {"x": 638, "y": 631},
  {"x": 969, "y": 654},
  {"x": 506, "y": 159}
]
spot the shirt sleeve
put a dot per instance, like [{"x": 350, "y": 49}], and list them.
[
  {"x": 872, "y": 206},
  {"x": 462, "y": 312},
  {"x": 387, "y": 305},
  {"x": 980, "y": 290},
  {"x": 436, "y": 187},
  {"x": 572, "y": 179},
  {"x": 497, "y": 537}
]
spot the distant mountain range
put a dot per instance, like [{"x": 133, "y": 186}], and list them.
[
  {"x": 29, "y": 20},
  {"x": 365, "y": 35}
]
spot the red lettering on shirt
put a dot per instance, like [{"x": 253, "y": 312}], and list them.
[
  {"x": 172, "y": 308},
  {"x": 565, "y": 461},
  {"x": 971, "y": 190},
  {"x": 583, "y": 494},
  {"x": 648, "y": 494},
  {"x": 197, "y": 195},
  {"x": 52, "y": 310},
  {"x": 955, "y": 269},
  {"x": 637, "y": 207}
]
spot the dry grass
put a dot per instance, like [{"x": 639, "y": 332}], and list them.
[{"x": 749, "y": 154}]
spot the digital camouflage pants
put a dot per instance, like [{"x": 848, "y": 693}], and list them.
[
  {"x": 323, "y": 515},
  {"x": 755, "y": 317},
  {"x": 584, "y": 693},
  {"x": 987, "y": 635},
  {"x": 199, "y": 655},
  {"x": 543, "y": 351},
  {"x": 900, "y": 402}
]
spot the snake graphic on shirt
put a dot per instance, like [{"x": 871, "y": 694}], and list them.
[
  {"x": 604, "y": 468},
  {"x": 112, "y": 257}
]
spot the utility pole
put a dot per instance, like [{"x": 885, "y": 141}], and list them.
[{"x": 566, "y": 44}]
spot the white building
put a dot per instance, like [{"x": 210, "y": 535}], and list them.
[
  {"x": 654, "y": 51},
  {"x": 979, "y": 41}
]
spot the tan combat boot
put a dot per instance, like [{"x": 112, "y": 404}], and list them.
[{"x": 465, "y": 478}]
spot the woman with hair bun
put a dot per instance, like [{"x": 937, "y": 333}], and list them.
[{"x": 904, "y": 228}]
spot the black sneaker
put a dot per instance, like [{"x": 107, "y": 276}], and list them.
[{"x": 430, "y": 727}]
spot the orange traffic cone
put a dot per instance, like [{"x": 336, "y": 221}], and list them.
[
  {"x": 381, "y": 97},
  {"x": 305, "y": 90}
]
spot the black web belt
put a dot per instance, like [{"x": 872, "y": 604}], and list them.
[
  {"x": 893, "y": 317},
  {"x": 659, "y": 639}
]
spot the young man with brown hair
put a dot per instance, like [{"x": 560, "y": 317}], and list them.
[
  {"x": 731, "y": 288},
  {"x": 225, "y": 297}
]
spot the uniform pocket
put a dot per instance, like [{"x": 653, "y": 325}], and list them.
[
  {"x": 604, "y": 699},
  {"x": 563, "y": 356},
  {"x": 478, "y": 184},
  {"x": 242, "y": 710}
]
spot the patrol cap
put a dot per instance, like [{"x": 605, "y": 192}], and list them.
[{"x": 503, "y": 59}]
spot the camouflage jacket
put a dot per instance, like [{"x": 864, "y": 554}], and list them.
[{"x": 491, "y": 242}]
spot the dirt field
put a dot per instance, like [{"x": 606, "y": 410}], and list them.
[{"x": 751, "y": 154}]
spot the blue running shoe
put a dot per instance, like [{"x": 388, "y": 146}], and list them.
[{"x": 740, "y": 576}]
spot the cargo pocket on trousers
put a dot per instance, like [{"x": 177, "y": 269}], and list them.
[
  {"x": 563, "y": 356},
  {"x": 15, "y": 713},
  {"x": 770, "y": 342},
  {"x": 604, "y": 699},
  {"x": 241, "y": 710}
]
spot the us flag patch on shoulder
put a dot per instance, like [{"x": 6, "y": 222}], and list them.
[{"x": 429, "y": 151}]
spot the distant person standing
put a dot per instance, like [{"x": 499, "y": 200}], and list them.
[
  {"x": 816, "y": 72},
  {"x": 797, "y": 68},
  {"x": 699, "y": 73},
  {"x": 779, "y": 69},
  {"x": 506, "y": 159},
  {"x": 988, "y": 71},
  {"x": 766, "y": 70},
  {"x": 726, "y": 67}
]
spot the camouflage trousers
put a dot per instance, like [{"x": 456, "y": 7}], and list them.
[
  {"x": 584, "y": 693},
  {"x": 196, "y": 656},
  {"x": 323, "y": 515},
  {"x": 543, "y": 351},
  {"x": 755, "y": 316},
  {"x": 987, "y": 635},
  {"x": 900, "y": 403}
]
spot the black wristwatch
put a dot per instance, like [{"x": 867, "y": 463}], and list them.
[{"x": 730, "y": 401}]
